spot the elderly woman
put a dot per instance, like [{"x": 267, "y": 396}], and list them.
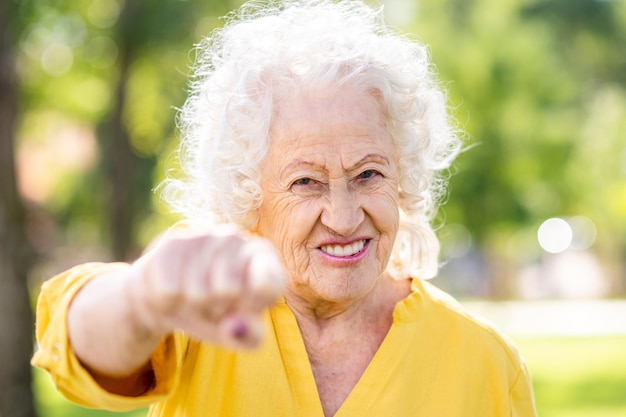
[{"x": 311, "y": 145}]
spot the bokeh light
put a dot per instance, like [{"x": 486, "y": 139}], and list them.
[
  {"x": 104, "y": 13},
  {"x": 57, "y": 59},
  {"x": 555, "y": 235},
  {"x": 584, "y": 232}
]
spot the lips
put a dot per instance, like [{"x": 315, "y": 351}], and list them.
[{"x": 344, "y": 251}]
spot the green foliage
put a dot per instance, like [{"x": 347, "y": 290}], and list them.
[
  {"x": 70, "y": 58},
  {"x": 539, "y": 87}
]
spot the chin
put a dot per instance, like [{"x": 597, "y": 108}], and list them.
[{"x": 345, "y": 287}]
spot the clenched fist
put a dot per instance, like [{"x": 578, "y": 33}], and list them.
[{"x": 212, "y": 286}]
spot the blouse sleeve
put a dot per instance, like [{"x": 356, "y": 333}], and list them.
[
  {"x": 521, "y": 395},
  {"x": 55, "y": 355}
]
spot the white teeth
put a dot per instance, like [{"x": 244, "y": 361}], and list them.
[{"x": 344, "y": 250}]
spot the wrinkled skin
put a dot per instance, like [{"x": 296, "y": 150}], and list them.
[{"x": 330, "y": 178}]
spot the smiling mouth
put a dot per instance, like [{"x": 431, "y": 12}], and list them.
[{"x": 344, "y": 251}]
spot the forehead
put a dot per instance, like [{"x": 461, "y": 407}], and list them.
[{"x": 329, "y": 118}]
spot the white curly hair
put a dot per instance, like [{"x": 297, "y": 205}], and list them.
[{"x": 267, "y": 50}]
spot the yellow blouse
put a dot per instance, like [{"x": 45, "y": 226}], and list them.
[{"x": 436, "y": 360}]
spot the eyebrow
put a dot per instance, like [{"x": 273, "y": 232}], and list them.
[
  {"x": 369, "y": 156},
  {"x": 298, "y": 162}
]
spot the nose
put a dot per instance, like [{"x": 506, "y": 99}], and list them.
[{"x": 342, "y": 212}]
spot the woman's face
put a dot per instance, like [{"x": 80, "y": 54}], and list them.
[{"x": 330, "y": 185}]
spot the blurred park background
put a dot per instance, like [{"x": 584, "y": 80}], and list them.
[{"x": 533, "y": 231}]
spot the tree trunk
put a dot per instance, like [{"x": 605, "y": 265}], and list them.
[
  {"x": 122, "y": 171},
  {"x": 122, "y": 163},
  {"x": 16, "y": 321}
]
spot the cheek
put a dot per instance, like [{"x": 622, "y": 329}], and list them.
[
  {"x": 383, "y": 209},
  {"x": 287, "y": 224}
]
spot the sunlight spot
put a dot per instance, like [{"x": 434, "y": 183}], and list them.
[
  {"x": 400, "y": 12},
  {"x": 555, "y": 235},
  {"x": 57, "y": 59},
  {"x": 584, "y": 232},
  {"x": 104, "y": 13}
]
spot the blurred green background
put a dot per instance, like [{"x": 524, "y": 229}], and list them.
[{"x": 536, "y": 214}]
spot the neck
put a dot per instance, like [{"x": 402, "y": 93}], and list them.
[
  {"x": 374, "y": 310},
  {"x": 341, "y": 338}
]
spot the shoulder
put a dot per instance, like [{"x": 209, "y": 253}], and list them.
[{"x": 446, "y": 313}]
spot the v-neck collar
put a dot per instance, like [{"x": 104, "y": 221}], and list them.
[
  {"x": 382, "y": 367},
  {"x": 296, "y": 361}
]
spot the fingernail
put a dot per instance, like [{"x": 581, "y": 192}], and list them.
[{"x": 240, "y": 330}]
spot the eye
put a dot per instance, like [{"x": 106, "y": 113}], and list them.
[
  {"x": 370, "y": 173},
  {"x": 303, "y": 181},
  {"x": 307, "y": 186}
]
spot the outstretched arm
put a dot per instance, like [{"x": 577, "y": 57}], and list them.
[{"x": 213, "y": 287}]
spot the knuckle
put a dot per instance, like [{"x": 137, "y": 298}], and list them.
[{"x": 166, "y": 298}]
